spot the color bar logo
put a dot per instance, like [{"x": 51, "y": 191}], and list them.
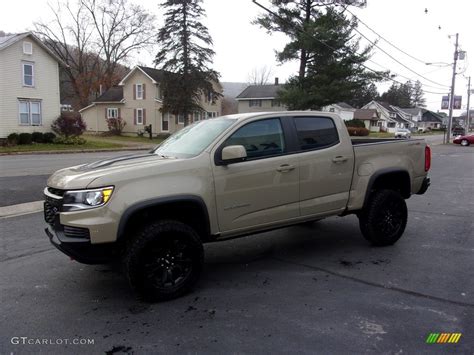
[{"x": 443, "y": 338}]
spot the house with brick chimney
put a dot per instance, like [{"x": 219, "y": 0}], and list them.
[{"x": 260, "y": 98}]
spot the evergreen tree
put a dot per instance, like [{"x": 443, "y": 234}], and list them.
[
  {"x": 365, "y": 95},
  {"x": 185, "y": 55},
  {"x": 405, "y": 95},
  {"x": 418, "y": 96},
  {"x": 330, "y": 59}
]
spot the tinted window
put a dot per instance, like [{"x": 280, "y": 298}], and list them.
[
  {"x": 316, "y": 132},
  {"x": 260, "y": 138}
]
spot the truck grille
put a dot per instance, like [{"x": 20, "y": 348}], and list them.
[
  {"x": 52, "y": 206},
  {"x": 57, "y": 192}
]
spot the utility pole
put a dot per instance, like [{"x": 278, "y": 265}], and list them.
[
  {"x": 468, "y": 118},
  {"x": 453, "y": 83}
]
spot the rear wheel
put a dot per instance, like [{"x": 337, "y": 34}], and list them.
[
  {"x": 164, "y": 260},
  {"x": 464, "y": 142},
  {"x": 383, "y": 220}
]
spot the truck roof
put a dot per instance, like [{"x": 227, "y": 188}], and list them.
[{"x": 245, "y": 116}]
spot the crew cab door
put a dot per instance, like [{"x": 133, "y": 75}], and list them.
[
  {"x": 326, "y": 160},
  {"x": 262, "y": 189}
]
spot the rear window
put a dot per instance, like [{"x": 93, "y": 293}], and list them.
[{"x": 316, "y": 132}]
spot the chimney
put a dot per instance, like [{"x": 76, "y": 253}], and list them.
[
  {"x": 276, "y": 81},
  {"x": 100, "y": 89}
]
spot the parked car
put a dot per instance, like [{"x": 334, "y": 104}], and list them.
[
  {"x": 464, "y": 140},
  {"x": 458, "y": 131},
  {"x": 402, "y": 133},
  {"x": 228, "y": 177}
]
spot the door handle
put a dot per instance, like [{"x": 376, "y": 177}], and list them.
[
  {"x": 339, "y": 159},
  {"x": 285, "y": 168}
]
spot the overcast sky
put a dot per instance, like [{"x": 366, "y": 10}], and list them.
[{"x": 241, "y": 46}]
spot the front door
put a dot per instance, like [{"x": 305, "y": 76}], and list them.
[{"x": 262, "y": 190}]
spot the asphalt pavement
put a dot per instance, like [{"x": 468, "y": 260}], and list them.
[
  {"x": 304, "y": 289},
  {"x": 23, "y": 177}
]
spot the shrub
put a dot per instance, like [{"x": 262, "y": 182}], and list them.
[
  {"x": 358, "y": 131},
  {"x": 69, "y": 124},
  {"x": 24, "y": 138},
  {"x": 37, "y": 137},
  {"x": 355, "y": 123},
  {"x": 13, "y": 139},
  {"x": 49, "y": 137},
  {"x": 69, "y": 140},
  {"x": 116, "y": 125}
]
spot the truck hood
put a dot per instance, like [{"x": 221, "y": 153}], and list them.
[{"x": 80, "y": 176}]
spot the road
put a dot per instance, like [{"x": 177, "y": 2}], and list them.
[
  {"x": 23, "y": 177},
  {"x": 304, "y": 289}
]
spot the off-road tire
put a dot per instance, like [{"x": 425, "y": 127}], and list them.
[
  {"x": 160, "y": 252},
  {"x": 383, "y": 220}
]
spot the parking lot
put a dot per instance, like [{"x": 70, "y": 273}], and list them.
[{"x": 305, "y": 289}]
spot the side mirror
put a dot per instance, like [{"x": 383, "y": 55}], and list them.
[{"x": 233, "y": 153}]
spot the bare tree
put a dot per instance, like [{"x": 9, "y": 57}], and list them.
[
  {"x": 260, "y": 75},
  {"x": 121, "y": 29},
  {"x": 71, "y": 42},
  {"x": 94, "y": 37}
]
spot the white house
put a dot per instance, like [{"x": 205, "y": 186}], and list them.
[
  {"x": 260, "y": 98},
  {"x": 344, "y": 110},
  {"x": 29, "y": 85},
  {"x": 390, "y": 117}
]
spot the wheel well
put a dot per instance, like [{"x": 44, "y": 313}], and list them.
[
  {"x": 398, "y": 181},
  {"x": 191, "y": 212}
]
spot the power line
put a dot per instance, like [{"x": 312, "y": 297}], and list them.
[
  {"x": 388, "y": 54},
  {"x": 405, "y": 77},
  {"x": 386, "y": 40},
  {"x": 330, "y": 47}
]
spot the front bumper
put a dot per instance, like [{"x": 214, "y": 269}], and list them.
[
  {"x": 82, "y": 250},
  {"x": 424, "y": 186}
]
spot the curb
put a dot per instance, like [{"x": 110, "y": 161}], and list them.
[
  {"x": 21, "y": 209},
  {"x": 77, "y": 151}
]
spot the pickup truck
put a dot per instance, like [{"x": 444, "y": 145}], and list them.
[{"x": 229, "y": 177}]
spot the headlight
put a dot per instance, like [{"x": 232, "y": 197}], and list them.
[{"x": 85, "y": 199}]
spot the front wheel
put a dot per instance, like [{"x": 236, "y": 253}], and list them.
[
  {"x": 383, "y": 220},
  {"x": 464, "y": 142},
  {"x": 164, "y": 260}
]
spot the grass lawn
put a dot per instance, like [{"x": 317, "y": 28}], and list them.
[
  {"x": 42, "y": 147},
  {"x": 132, "y": 139},
  {"x": 381, "y": 135}
]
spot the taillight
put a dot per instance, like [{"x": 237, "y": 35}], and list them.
[{"x": 427, "y": 158}]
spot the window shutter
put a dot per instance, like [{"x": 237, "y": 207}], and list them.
[
  {"x": 118, "y": 113},
  {"x": 135, "y": 116},
  {"x": 144, "y": 92},
  {"x": 106, "y": 113},
  {"x": 144, "y": 116},
  {"x": 134, "y": 91}
]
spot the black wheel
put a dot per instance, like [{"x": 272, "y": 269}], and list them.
[
  {"x": 464, "y": 142},
  {"x": 383, "y": 220},
  {"x": 164, "y": 260}
]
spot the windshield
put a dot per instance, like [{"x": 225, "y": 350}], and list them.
[{"x": 192, "y": 140}]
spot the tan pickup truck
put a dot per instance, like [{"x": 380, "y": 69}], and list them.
[{"x": 227, "y": 177}]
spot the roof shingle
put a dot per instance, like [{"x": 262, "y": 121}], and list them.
[
  {"x": 114, "y": 94},
  {"x": 259, "y": 92}
]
